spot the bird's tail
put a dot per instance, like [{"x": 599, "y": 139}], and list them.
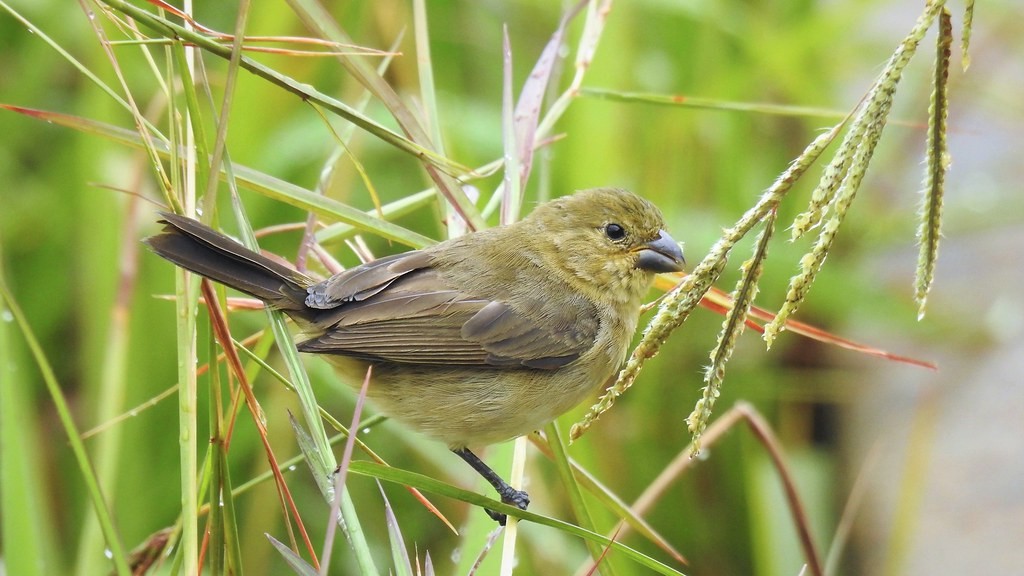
[{"x": 197, "y": 247}]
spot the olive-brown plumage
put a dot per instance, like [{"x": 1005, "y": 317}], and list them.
[{"x": 477, "y": 339}]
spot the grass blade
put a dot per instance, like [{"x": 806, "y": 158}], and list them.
[
  {"x": 113, "y": 383},
  {"x": 261, "y": 183},
  {"x": 99, "y": 503},
  {"x": 512, "y": 184},
  {"x": 28, "y": 537},
  {"x": 169, "y": 29},
  {"x": 316, "y": 18},
  {"x": 76, "y": 64},
  {"x": 428, "y": 484},
  {"x": 294, "y": 561},
  {"x": 629, "y": 516},
  {"x": 698, "y": 103},
  {"x": 399, "y": 554},
  {"x": 579, "y": 506}
]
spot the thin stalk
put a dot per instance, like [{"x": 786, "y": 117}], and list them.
[
  {"x": 113, "y": 540},
  {"x": 304, "y": 91},
  {"x": 579, "y": 506}
]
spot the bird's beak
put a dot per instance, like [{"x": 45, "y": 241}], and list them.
[{"x": 661, "y": 255}]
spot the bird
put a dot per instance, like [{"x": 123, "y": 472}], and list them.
[{"x": 475, "y": 340}]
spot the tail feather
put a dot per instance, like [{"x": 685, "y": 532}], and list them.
[{"x": 197, "y": 247}]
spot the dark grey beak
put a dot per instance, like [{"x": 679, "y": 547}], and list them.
[{"x": 661, "y": 255}]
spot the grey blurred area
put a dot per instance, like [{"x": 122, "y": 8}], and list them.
[{"x": 945, "y": 491}]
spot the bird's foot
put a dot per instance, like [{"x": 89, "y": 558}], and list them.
[{"x": 509, "y": 495}]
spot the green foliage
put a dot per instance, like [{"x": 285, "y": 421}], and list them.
[{"x": 355, "y": 141}]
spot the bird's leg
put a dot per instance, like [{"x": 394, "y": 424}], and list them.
[{"x": 509, "y": 495}]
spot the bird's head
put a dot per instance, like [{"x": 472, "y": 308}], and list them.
[{"x": 608, "y": 242}]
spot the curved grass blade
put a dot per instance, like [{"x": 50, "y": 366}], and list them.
[
  {"x": 294, "y": 561},
  {"x": 113, "y": 539},
  {"x": 593, "y": 28},
  {"x": 218, "y": 322},
  {"x": 393, "y": 210},
  {"x": 627, "y": 515},
  {"x": 29, "y": 538},
  {"x": 352, "y": 527},
  {"x": 681, "y": 101},
  {"x": 435, "y": 486},
  {"x": 78, "y": 65},
  {"x": 317, "y": 19},
  {"x": 170, "y": 29},
  {"x": 253, "y": 180},
  {"x": 399, "y": 555},
  {"x": 579, "y": 506}
]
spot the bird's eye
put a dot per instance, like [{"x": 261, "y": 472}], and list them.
[{"x": 614, "y": 231}]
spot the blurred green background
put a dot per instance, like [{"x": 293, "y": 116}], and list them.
[{"x": 940, "y": 453}]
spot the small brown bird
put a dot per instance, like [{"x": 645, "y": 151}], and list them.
[{"x": 478, "y": 339}]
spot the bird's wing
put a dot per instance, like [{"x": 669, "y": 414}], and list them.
[
  {"x": 402, "y": 311},
  {"x": 363, "y": 282}
]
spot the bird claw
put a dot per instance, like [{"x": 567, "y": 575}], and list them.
[
  {"x": 509, "y": 495},
  {"x": 518, "y": 498},
  {"x": 498, "y": 517}
]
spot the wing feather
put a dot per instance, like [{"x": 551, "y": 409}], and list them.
[{"x": 399, "y": 309}]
